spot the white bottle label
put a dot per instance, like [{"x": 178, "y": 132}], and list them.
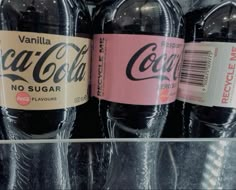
[{"x": 208, "y": 74}]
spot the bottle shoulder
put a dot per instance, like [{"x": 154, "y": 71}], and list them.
[
  {"x": 212, "y": 23},
  {"x": 138, "y": 17},
  {"x": 45, "y": 16}
]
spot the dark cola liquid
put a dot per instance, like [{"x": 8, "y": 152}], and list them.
[
  {"x": 156, "y": 18},
  {"x": 122, "y": 17},
  {"x": 201, "y": 121},
  {"x": 67, "y": 18},
  {"x": 39, "y": 166}
]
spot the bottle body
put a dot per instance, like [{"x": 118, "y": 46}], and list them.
[
  {"x": 122, "y": 23},
  {"x": 45, "y": 51},
  {"x": 211, "y": 113},
  {"x": 35, "y": 19},
  {"x": 136, "y": 60}
]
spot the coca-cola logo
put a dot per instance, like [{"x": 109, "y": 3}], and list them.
[
  {"x": 155, "y": 66},
  {"x": 49, "y": 65}
]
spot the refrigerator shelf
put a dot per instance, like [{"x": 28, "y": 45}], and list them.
[{"x": 118, "y": 164}]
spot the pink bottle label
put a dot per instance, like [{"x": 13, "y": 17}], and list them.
[{"x": 136, "y": 69}]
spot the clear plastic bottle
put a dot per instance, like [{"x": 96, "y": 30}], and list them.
[
  {"x": 44, "y": 85},
  {"x": 136, "y": 20},
  {"x": 36, "y": 17},
  {"x": 123, "y": 29},
  {"x": 207, "y": 104}
]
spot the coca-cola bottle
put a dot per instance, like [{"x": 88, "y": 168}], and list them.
[
  {"x": 44, "y": 76},
  {"x": 206, "y": 106},
  {"x": 137, "y": 55},
  {"x": 136, "y": 61}
]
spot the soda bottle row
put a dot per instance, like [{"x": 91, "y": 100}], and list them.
[
  {"x": 139, "y": 68},
  {"x": 45, "y": 70}
]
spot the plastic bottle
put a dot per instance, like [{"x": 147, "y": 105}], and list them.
[
  {"x": 137, "y": 55},
  {"x": 30, "y": 114},
  {"x": 206, "y": 91},
  {"x": 45, "y": 52},
  {"x": 135, "y": 103}
]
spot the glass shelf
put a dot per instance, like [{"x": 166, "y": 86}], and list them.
[{"x": 118, "y": 164}]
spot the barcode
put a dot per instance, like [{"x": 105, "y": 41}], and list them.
[{"x": 196, "y": 68}]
